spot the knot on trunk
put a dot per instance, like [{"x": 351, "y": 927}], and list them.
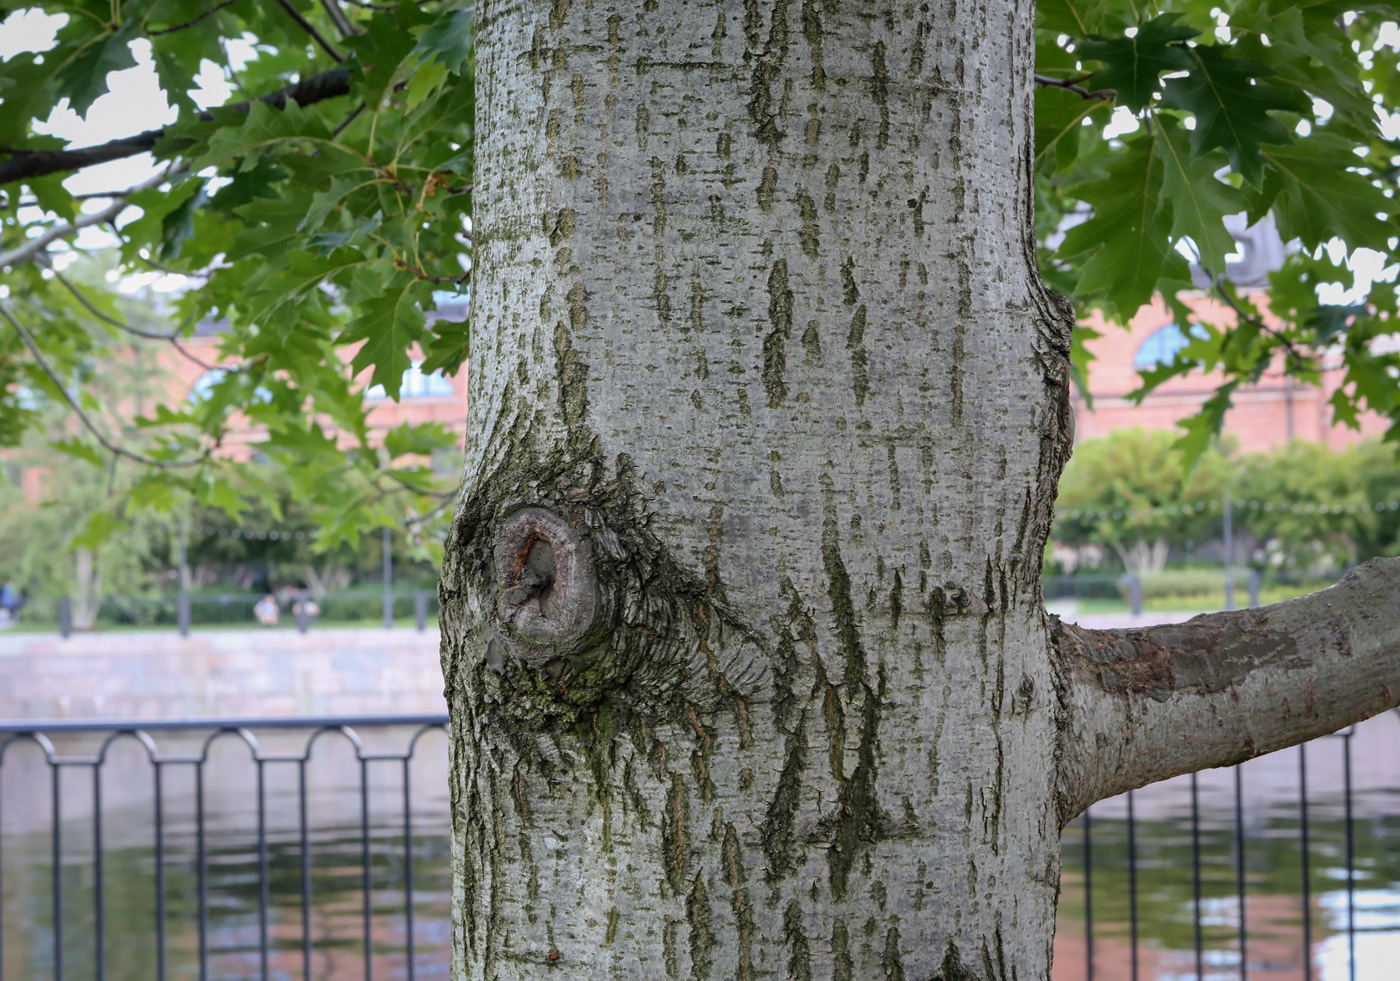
[{"x": 548, "y": 587}]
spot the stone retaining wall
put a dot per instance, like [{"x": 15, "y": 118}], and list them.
[{"x": 245, "y": 673}]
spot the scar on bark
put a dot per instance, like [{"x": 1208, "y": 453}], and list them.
[
  {"x": 1159, "y": 661},
  {"x": 548, "y": 589},
  {"x": 1147, "y": 704}
]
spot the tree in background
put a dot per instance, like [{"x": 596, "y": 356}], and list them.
[
  {"x": 743, "y": 635},
  {"x": 1131, "y": 492},
  {"x": 1313, "y": 508}
]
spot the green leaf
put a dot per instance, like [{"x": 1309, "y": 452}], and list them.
[
  {"x": 326, "y": 242},
  {"x": 157, "y": 206},
  {"x": 1203, "y": 427},
  {"x": 53, "y": 196},
  {"x": 427, "y": 80},
  {"x": 389, "y": 325},
  {"x": 177, "y": 227},
  {"x": 449, "y": 347},
  {"x": 1059, "y": 118},
  {"x": 448, "y": 41},
  {"x": 1307, "y": 52},
  {"x": 264, "y": 128},
  {"x": 325, "y": 201},
  {"x": 75, "y": 447},
  {"x": 1329, "y": 321},
  {"x": 1315, "y": 197},
  {"x": 1231, "y": 107},
  {"x": 84, "y": 79},
  {"x": 296, "y": 273},
  {"x": 1133, "y": 65},
  {"x": 1127, "y": 240},
  {"x": 1198, "y": 202},
  {"x": 100, "y": 525},
  {"x": 1081, "y": 18},
  {"x": 420, "y": 440}
]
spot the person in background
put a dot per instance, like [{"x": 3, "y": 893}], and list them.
[
  {"x": 10, "y": 601},
  {"x": 267, "y": 610}
]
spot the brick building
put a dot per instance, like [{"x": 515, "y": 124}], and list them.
[
  {"x": 1267, "y": 414},
  {"x": 1263, "y": 415},
  {"x": 423, "y": 397}
]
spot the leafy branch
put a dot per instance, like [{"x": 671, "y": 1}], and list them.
[
  {"x": 1298, "y": 360},
  {"x": 172, "y": 338},
  {"x": 35, "y": 246},
  {"x": 27, "y": 164},
  {"x": 1073, "y": 85},
  {"x": 88, "y": 424},
  {"x": 310, "y": 29},
  {"x": 185, "y": 25}
]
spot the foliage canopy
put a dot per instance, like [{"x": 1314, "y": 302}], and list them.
[{"x": 321, "y": 207}]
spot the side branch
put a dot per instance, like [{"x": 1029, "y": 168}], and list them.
[
  {"x": 27, "y": 164},
  {"x": 1147, "y": 704}
]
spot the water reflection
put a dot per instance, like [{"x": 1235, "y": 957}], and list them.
[
  {"x": 324, "y": 931},
  {"x": 1296, "y": 905},
  {"x": 1184, "y": 883}
]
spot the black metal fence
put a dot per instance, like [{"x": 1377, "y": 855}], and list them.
[
  {"x": 298, "y": 862},
  {"x": 244, "y": 903}
]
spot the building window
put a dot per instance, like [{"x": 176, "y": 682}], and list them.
[
  {"x": 203, "y": 388},
  {"x": 1163, "y": 345},
  {"x": 417, "y": 385}
]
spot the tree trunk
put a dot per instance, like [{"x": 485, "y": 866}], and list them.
[
  {"x": 87, "y": 588},
  {"x": 744, "y": 645}
]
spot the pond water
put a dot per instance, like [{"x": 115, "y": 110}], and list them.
[{"x": 1183, "y": 883}]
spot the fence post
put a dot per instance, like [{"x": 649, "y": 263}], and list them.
[
  {"x": 303, "y": 613},
  {"x": 1254, "y": 583},
  {"x": 182, "y": 612},
  {"x": 65, "y": 617},
  {"x": 420, "y": 610},
  {"x": 1134, "y": 593}
]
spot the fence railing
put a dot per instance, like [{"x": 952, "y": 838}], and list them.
[
  {"x": 220, "y": 898},
  {"x": 317, "y": 847}
]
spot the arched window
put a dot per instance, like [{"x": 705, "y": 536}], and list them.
[
  {"x": 417, "y": 385},
  {"x": 203, "y": 387},
  {"x": 1163, "y": 344}
]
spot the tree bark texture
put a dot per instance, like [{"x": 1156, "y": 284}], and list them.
[{"x": 742, "y": 632}]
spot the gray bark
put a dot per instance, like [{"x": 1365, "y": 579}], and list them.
[
  {"x": 1149, "y": 704},
  {"x": 742, "y": 631}
]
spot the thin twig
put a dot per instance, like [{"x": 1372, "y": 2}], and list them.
[
  {"x": 37, "y": 244},
  {"x": 192, "y": 21},
  {"x": 418, "y": 520},
  {"x": 150, "y": 335},
  {"x": 335, "y": 133},
  {"x": 1297, "y": 358},
  {"x": 338, "y": 18},
  {"x": 39, "y": 163},
  {"x": 310, "y": 28},
  {"x": 372, "y": 6},
  {"x": 83, "y": 416},
  {"x": 1071, "y": 85}
]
